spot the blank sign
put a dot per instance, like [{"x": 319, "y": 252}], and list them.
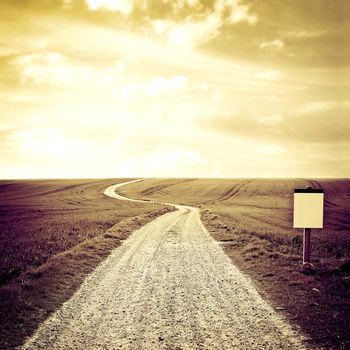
[{"x": 308, "y": 208}]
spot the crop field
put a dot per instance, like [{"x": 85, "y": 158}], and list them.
[
  {"x": 52, "y": 234},
  {"x": 252, "y": 220}
]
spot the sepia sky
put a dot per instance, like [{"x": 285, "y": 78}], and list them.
[{"x": 220, "y": 88}]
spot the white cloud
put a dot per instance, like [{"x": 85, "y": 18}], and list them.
[
  {"x": 237, "y": 11},
  {"x": 217, "y": 96},
  {"x": 131, "y": 90},
  {"x": 190, "y": 32},
  {"x": 53, "y": 152},
  {"x": 156, "y": 86},
  {"x": 7, "y": 51},
  {"x": 160, "y": 85},
  {"x": 125, "y": 7},
  {"x": 161, "y": 26},
  {"x": 193, "y": 3},
  {"x": 67, "y": 4},
  {"x": 56, "y": 69},
  {"x": 317, "y": 106},
  {"x": 269, "y": 75},
  {"x": 170, "y": 162},
  {"x": 270, "y": 149},
  {"x": 44, "y": 67},
  {"x": 240, "y": 13},
  {"x": 24, "y": 98},
  {"x": 204, "y": 87},
  {"x": 5, "y": 126},
  {"x": 42, "y": 142},
  {"x": 202, "y": 27},
  {"x": 274, "y": 44},
  {"x": 40, "y": 58},
  {"x": 177, "y": 81},
  {"x": 300, "y": 34},
  {"x": 270, "y": 120}
]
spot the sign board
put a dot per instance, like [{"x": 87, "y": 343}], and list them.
[{"x": 308, "y": 208}]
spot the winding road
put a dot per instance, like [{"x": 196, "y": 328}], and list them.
[{"x": 168, "y": 286}]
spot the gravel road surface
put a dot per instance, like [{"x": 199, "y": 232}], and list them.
[{"x": 168, "y": 286}]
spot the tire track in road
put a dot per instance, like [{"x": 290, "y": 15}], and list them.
[{"x": 168, "y": 286}]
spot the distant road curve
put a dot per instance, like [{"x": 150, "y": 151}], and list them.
[
  {"x": 111, "y": 192},
  {"x": 169, "y": 286}
]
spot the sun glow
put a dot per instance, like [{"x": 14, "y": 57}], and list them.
[{"x": 122, "y": 6}]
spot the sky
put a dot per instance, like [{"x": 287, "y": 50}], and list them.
[{"x": 182, "y": 88}]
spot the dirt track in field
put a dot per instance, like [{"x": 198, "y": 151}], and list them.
[{"x": 169, "y": 286}]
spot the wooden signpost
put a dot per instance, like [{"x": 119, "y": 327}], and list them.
[{"x": 308, "y": 214}]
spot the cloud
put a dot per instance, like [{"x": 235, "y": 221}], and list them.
[
  {"x": 156, "y": 86},
  {"x": 133, "y": 77},
  {"x": 125, "y": 7},
  {"x": 54, "y": 152},
  {"x": 21, "y": 98},
  {"x": 7, "y": 126},
  {"x": 204, "y": 87},
  {"x": 7, "y": 51},
  {"x": 44, "y": 67},
  {"x": 40, "y": 58},
  {"x": 270, "y": 119},
  {"x": 177, "y": 81},
  {"x": 317, "y": 106},
  {"x": 190, "y": 32},
  {"x": 186, "y": 23},
  {"x": 41, "y": 142},
  {"x": 303, "y": 34},
  {"x": 269, "y": 75},
  {"x": 166, "y": 163},
  {"x": 320, "y": 126},
  {"x": 57, "y": 69},
  {"x": 173, "y": 17},
  {"x": 270, "y": 149},
  {"x": 131, "y": 90},
  {"x": 274, "y": 44},
  {"x": 237, "y": 12}
]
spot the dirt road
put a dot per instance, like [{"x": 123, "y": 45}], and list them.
[{"x": 169, "y": 286}]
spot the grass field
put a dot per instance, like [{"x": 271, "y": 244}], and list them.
[
  {"x": 252, "y": 219},
  {"x": 52, "y": 234}
]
